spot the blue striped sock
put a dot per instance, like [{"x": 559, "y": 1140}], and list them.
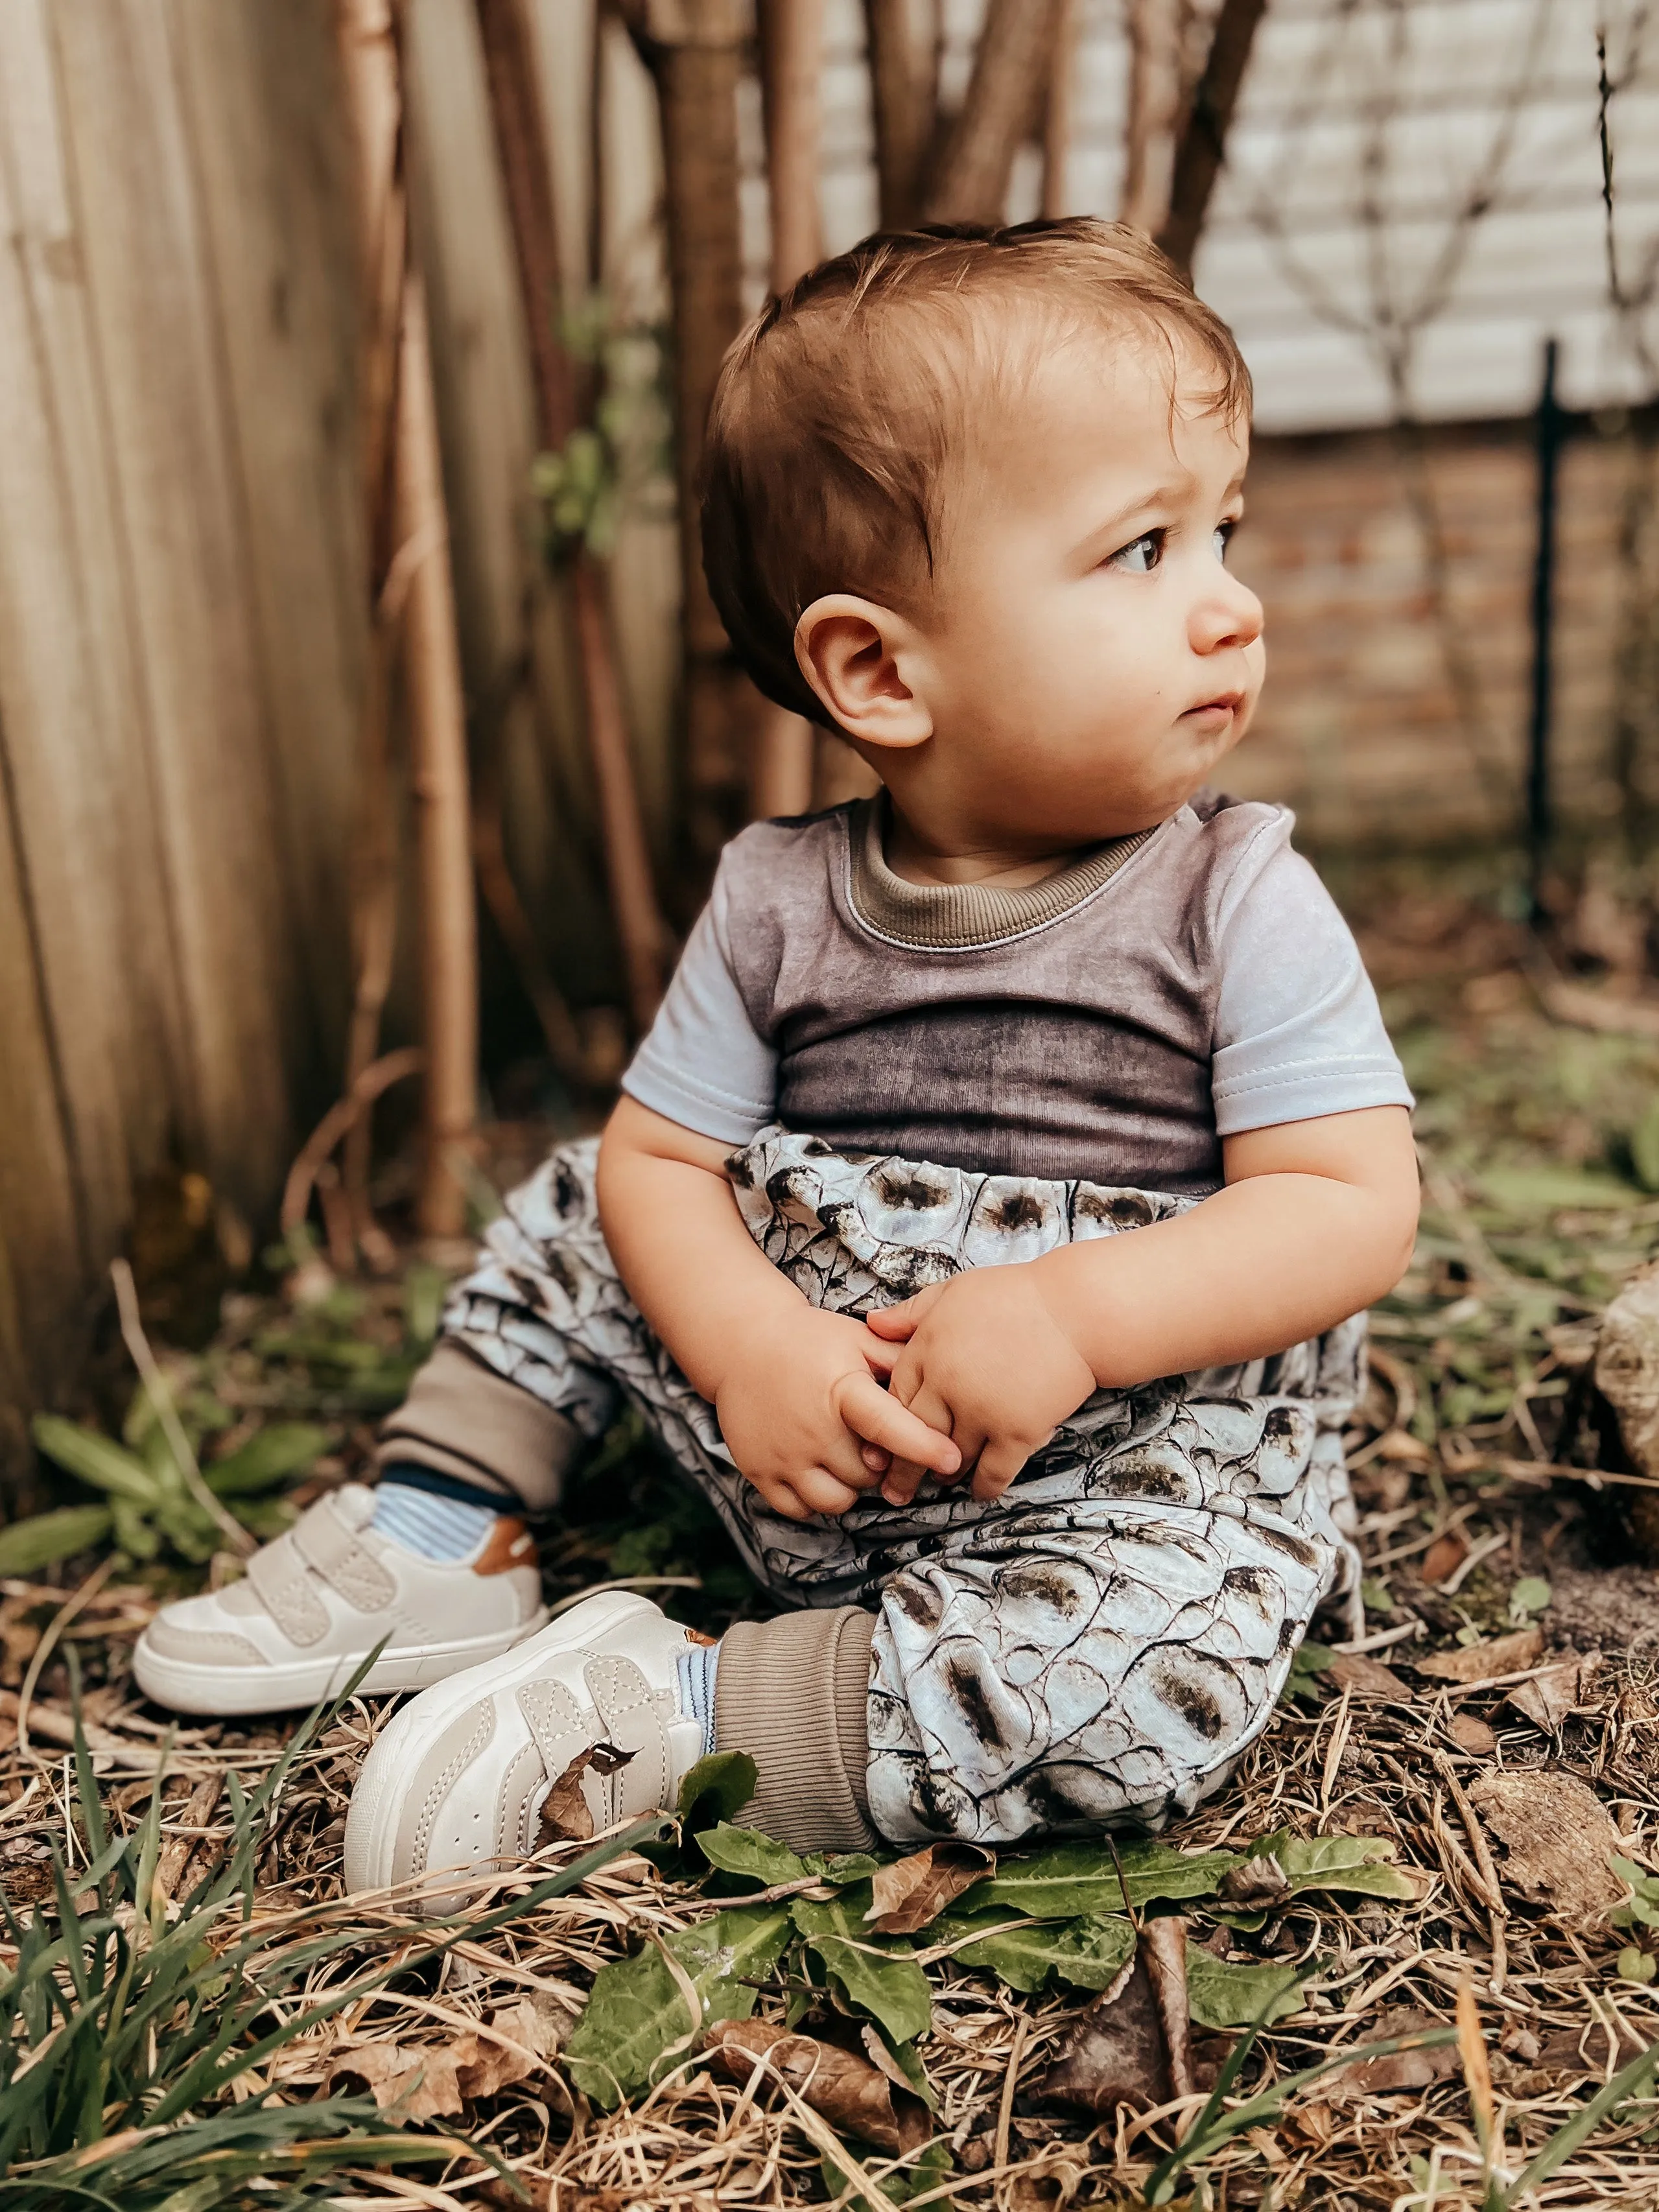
[
  {"x": 695, "y": 1667},
  {"x": 431, "y": 1527}
]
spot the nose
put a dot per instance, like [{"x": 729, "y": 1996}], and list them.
[{"x": 1226, "y": 614}]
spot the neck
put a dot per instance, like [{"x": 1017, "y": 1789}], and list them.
[{"x": 963, "y": 856}]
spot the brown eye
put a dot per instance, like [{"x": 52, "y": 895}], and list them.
[{"x": 1140, "y": 558}]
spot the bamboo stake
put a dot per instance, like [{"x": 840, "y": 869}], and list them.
[
  {"x": 998, "y": 112},
  {"x": 1154, "y": 103},
  {"x": 437, "y": 712},
  {"x": 903, "y": 86},
  {"x": 368, "y": 57},
  {"x": 693, "y": 50},
  {"x": 1059, "y": 112},
  {"x": 792, "y": 52},
  {"x": 526, "y": 175}
]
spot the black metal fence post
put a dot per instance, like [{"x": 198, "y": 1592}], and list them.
[{"x": 1540, "y": 820}]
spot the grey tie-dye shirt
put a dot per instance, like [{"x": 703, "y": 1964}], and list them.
[{"x": 1113, "y": 1023}]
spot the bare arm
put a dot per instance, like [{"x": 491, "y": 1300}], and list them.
[
  {"x": 795, "y": 1389},
  {"x": 1316, "y": 1221}
]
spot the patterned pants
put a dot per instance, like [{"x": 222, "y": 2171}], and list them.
[{"x": 1096, "y": 1647}]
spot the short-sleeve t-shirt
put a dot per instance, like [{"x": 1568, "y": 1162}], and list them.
[{"x": 1112, "y": 1024}]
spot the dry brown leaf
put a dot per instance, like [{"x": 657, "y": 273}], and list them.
[
  {"x": 1258, "y": 1882},
  {"x": 1368, "y": 1677},
  {"x": 908, "y": 1896},
  {"x": 1313, "y": 2124},
  {"x": 1133, "y": 2045},
  {"x": 1557, "y": 1834},
  {"x": 539, "y": 2021},
  {"x": 434, "y": 2081},
  {"x": 1554, "y": 1692},
  {"x": 850, "y": 2093},
  {"x": 566, "y": 1817},
  {"x": 1164, "y": 1942},
  {"x": 1471, "y": 1735},
  {"x": 422, "y": 2080},
  {"x": 1444, "y": 1556},
  {"x": 1399, "y": 2071},
  {"x": 1590, "y": 2049},
  {"x": 1484, "y": 1662}
]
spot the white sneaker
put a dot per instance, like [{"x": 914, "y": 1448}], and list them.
[
  {"x": 316, "y": 1603},
  {"x": 456, "y": 1779}
]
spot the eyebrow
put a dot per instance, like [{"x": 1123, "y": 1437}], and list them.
[{"x": 1164, "y": 494}]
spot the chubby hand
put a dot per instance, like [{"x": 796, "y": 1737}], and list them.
[
  {"x": 807, "y": 1421},
  {"x": 985, "y": 1360}
]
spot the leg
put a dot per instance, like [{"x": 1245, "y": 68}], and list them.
[{"x": 1080, "y": 1669}]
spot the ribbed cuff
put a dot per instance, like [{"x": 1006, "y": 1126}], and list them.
[
  {"x": 461, "y": 1418},
  {"x": 794, "y": 1694}
]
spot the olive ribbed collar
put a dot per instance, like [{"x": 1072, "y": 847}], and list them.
[{"x": 954, "y": 917}]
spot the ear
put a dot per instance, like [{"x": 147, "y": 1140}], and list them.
[{"x": 863, "y": 661}]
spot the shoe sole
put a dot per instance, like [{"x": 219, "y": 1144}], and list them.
[
  {"x": 287, "y": 1685},
  {"x": 377, "y": 1803}
]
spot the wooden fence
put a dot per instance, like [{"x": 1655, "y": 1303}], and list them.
[{"x": 182, "y": 635}]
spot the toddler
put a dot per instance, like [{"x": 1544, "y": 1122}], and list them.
[{"x": 986, "y": 1225}]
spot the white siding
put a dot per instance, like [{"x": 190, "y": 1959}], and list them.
[{"x": 1342, "y": 222}]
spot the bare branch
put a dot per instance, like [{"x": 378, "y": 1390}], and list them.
[{"x": 1203, "y": 142}]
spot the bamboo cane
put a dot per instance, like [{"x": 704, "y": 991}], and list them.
[
  {"x": 998, "y": 112},
  {"x": 693, "y": 50},
  {"x": 437, "y": 713},
  {"x": 791, "y": 52},
  {"x": 369, "y": 59},
  {"x": 1059, "y": 112},
  {"x": 526, "y": 175},
  {"x": 410, "y": 575},
  {"x": 904, "y": 74}
]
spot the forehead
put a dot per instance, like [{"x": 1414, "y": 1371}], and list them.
[{"x": 1122, "y": 404}]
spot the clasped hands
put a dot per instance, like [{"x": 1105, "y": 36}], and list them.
[{"x": 963, "y": 1381}]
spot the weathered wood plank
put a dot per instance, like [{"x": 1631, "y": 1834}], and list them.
[
  {"x": 42, "y": 1265},
  {"x": 269, "y": 138},
  {"x": 188, "y": 570},
  {"x": 69, "y": 693}
]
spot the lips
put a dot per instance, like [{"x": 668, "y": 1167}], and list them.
[{"x": 1225, "y": 703}]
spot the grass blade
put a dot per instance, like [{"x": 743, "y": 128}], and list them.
[
  {"x": 1214, "y": 2127},
  {"x": 1566, "y": 2140}
]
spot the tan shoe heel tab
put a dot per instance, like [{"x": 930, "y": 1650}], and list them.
[{"x": 511, "y": 1544}]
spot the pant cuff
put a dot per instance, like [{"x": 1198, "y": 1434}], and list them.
[
  {"x": 794, "y": 1694},
  {"x": 461, "y": 1418}
]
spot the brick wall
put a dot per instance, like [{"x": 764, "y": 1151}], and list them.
[{"x": 1396, "y": 713}]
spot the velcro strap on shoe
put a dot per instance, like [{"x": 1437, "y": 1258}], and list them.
[
  {"x": 633, "y": 1720},
  {"x": 277, "y": 1573},
  {"x": 328, "y": 1544}
]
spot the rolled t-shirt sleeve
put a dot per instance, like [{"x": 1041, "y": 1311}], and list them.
[
  {"x": 701, "y": 1063},
  {"x": 1299, "y": 1032}
]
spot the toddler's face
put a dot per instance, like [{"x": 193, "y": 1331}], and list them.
[{"x": 1085, "y": 657}]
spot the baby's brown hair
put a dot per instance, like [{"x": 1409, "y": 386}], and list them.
[{"x": 838, "y": 409}]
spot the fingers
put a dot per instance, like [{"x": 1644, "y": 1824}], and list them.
[
  {"x": 897, "y": 1323},
  {"x": 904, "y": 1477},
  {"x": 842, "y": 1456},
  {"x": 875, "y": 1459},
  {"x": 998, "y": 1463},
  {"x": 876, "y": 1416},
  {"x": 881, "y": 1358},
  {"x": 814, "y": 1490}
]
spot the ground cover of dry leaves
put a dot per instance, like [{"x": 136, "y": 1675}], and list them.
[{"x": 1499, "y": 1730}]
